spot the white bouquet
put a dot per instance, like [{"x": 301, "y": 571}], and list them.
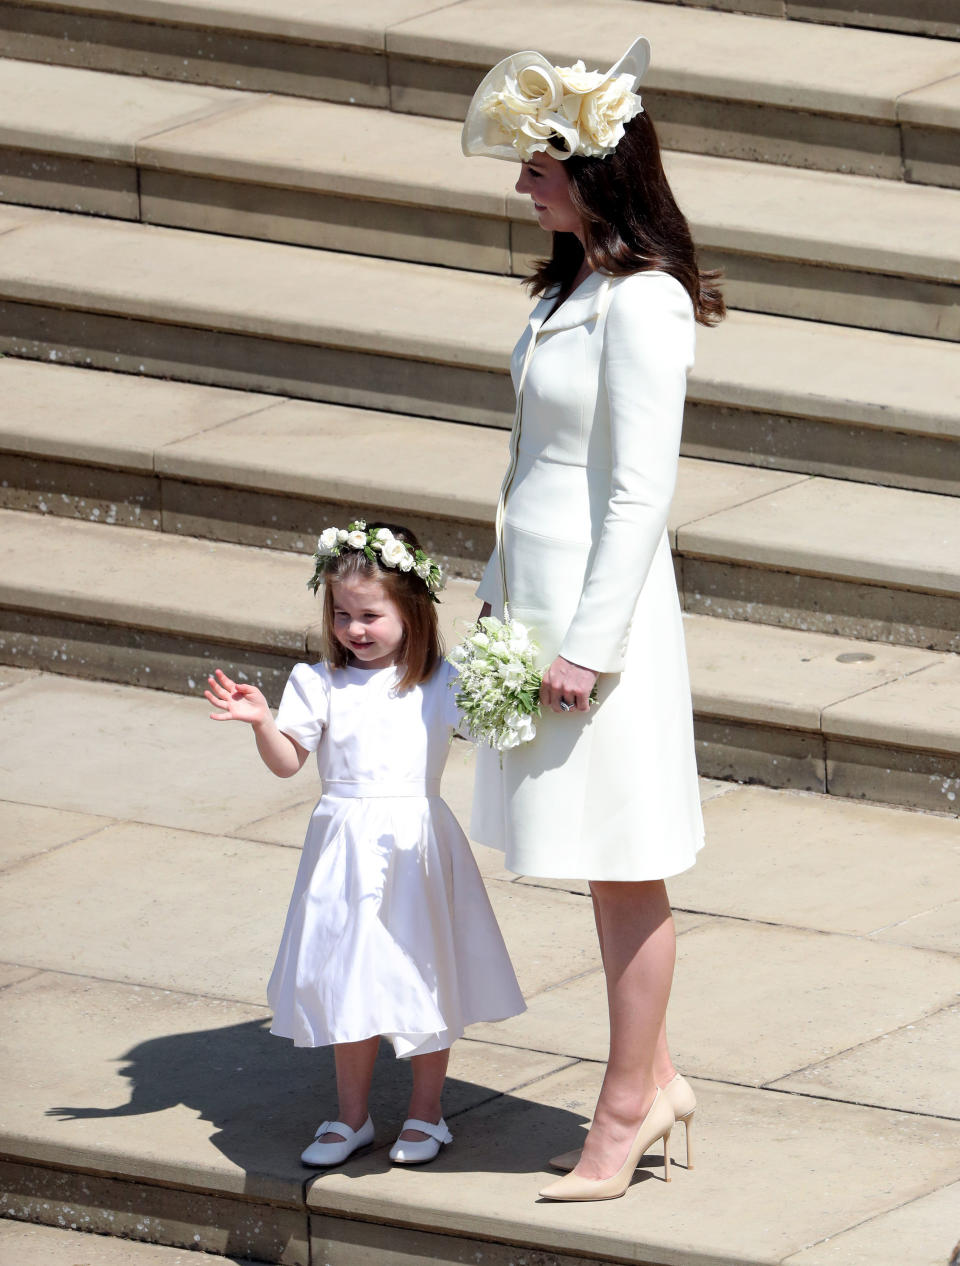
[{"x": 499, "y": 691}]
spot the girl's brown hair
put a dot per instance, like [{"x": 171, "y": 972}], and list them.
[
  {"x": 632, "y": 223},
  {"x": 421, "y": 649}
]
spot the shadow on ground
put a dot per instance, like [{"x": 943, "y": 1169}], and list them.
[{"x": 265, "y": 1098}]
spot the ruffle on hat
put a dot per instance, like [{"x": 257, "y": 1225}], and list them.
[{"x": 525, "y": 105}]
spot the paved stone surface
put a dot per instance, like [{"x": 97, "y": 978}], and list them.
[
  {"x": 937, "y": 929},
  {"x": 802, "y": 996},
  {"x": 160, "y": 1067},
  {"x": 165, "y": 767},
  {"x": 832, "y": 528},
  {"x": 797, "y": 65},
  {"x": 823, "y": 863},
  {"x": 936, "y": 104},
  {"x": 171, "y": 1077},
  {"x": 318, "y": 450},
  {"x": 923, "y": 1230},
  {"x": 10, "y": 676},
  {"x": 784, "y": 676},
  {"x": 156, "y": 893},
  {"x": 248, "y": 608},
  {"x": 80, "y": 112},
  {"x": 338, "y": 149},
  {"x": 26, "y": 1244},
  {"x": 110, "y": 419},
  {"x": 912, "y": 1068},
  {"x": 750, "y": 361},
  {"x": 707, "y": 488},
  {"x": 319, "y": 21},
  {"x": 923, "y": 706},
  {"x": 27, "y": 829},
  {"x": 227, "y": 284},
  {"x": 756, "y": 1146}
]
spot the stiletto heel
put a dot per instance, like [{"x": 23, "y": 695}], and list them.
[
  {"x": 688, "y": 1126},
  {"x": 683, "y": 1101},
  {"x": 657, "y": 1124},
  {"x": 667, "y": 1176}
]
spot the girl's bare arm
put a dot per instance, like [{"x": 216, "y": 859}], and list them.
[{"x": 239, "y": 701}]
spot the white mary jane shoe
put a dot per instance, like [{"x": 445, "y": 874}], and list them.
[
  {"x": 406, "y": 1152},
  {"x": 323, "y": 1154}
]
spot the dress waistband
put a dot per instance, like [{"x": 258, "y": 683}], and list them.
[{"x": 342, "y": 790}]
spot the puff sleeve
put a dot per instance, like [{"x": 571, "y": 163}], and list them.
[
  {"x": 648, "y": 343},
  {"x": 305, "y": 705}
]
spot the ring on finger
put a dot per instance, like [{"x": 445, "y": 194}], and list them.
[{"x": 566, "y": 705}]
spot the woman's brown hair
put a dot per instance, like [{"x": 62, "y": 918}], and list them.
[
  {"x": 632, "y": 223},
  {"x": 421, "y": 649}
]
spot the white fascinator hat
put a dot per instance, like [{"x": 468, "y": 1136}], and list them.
[{"x": 525, "y": 105}]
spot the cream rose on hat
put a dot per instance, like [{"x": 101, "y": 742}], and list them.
[{"x": 525, "y": 105}]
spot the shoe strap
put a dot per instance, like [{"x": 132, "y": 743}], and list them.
[
  {"x": 438, "y": 1131},
  {"x": 336, "y": 1127}
]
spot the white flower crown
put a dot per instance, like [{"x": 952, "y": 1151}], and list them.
[
  {"x": 379, "y": 545},
  {"x": 524, "y": 106}
]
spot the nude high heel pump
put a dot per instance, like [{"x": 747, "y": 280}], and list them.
[
  {"x": 657, "y": 1124},
  {"x": 681, "y": 1098}
]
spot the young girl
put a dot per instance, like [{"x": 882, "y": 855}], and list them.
[{"x": 389, "y": 930}]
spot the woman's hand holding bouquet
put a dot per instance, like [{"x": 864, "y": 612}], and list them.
[{"x": 499, "y": 692}]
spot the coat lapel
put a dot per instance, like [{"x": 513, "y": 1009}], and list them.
[{"x": 585, "y": 304}]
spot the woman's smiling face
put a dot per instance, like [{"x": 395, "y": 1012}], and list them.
[{"x": 545, "y": 179}]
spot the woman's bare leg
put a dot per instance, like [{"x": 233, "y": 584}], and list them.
[
  {"x": 354, "y": 1063},
  {"x": 664, "y": 1069},
  {"x": 429, "y": 1074},
  {"x": 639, "y": 950}
]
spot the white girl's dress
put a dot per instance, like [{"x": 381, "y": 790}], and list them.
[{"x": 389, "y": 930}]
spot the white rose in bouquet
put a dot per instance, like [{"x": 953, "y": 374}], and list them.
[
  {"x": 329, "y": 538},
  {"x": 512, "y": 673},
  {"x": 356, "y": 540}
]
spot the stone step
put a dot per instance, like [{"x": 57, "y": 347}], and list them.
[
  {"x": 796, "y": 709},
  {"x": 767, "y": 546},
  {"x": 394, "y": 336},
  {"x": 172, "y": 1115},
  {"x": 32, "y": 1244},
  {"x": 938, "y": 18},
  {"x": 798, "y": 243},
  {"x": 800, "y": 94}
]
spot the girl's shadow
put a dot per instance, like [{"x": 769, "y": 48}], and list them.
[{"x": 265, "y": 1099}]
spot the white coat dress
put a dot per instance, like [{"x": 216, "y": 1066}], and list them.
[{"x": 611, "y": 794}]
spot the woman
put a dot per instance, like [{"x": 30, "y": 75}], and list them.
[{"x": 607, "y": 792}]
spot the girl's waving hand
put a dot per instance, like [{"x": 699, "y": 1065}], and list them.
[
  {"x": 239, "y": 701},
  {"x": 236, "y": 700}
]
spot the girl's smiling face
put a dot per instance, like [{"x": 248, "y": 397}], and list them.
[
  {"x": 366, "y": 621},
  {"x": 545, "y": 179}
]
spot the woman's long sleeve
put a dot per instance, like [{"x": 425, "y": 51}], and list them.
[{"x": 647, "y": 350}]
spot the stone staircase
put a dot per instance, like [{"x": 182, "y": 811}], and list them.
[
  {"x": 247, "y": 286},
  {"x": 304, "y": 297}
]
